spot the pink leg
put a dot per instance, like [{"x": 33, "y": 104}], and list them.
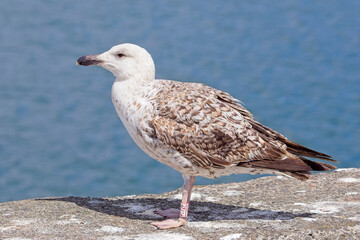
[{"x": 184, "y": 207}]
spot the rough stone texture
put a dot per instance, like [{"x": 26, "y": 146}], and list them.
[{"x": 325, "y": 207}]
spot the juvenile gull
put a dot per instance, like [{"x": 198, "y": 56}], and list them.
[{"x": 195, "y": 129}]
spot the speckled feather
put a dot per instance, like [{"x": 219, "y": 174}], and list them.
[
  {"x": 213, "y": 130},
  {"x": 193, "y": 128}
]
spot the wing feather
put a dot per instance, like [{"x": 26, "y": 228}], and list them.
[
  {"x": 210, "y": 128},
  {"x": 213, "y": 130}
]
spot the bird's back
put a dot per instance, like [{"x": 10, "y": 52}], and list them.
[{"x": 215, "y": 132}]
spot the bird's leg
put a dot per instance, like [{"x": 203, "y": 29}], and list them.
[{"x": 184, "y": 207}]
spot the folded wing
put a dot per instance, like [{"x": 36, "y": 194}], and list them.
[{"x": 213, "y": 130}]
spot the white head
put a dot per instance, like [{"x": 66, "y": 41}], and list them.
[{"x": 126, "y": 61}]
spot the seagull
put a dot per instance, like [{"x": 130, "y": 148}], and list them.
[{"x": 196, "y": 129}]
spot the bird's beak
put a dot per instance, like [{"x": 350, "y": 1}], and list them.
[{"x": 89, "y": 60}]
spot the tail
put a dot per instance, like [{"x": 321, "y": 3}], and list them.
[
  {"x": 296, "y": 165},
  {"x": 314, "y": 166},
  {"x": 301, "y": 152}
]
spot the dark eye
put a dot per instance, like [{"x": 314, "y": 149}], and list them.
[{"x": 120, "y": 55}]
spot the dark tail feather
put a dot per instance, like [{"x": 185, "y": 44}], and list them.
[
  {"x": 288, "y": 164},
  {"x": 297, "y": 167},
  {"x": 315, "y": 166},
  {"x": 303, "y": 176},
  {"x": 300, "y": 150},
  {"x": 296, "y": 164},
  {"x": 318, "y": 166},
  {"x": 292, "y": 147}
]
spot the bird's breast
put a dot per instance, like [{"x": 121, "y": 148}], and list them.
[{"x": 135, "y": 111}]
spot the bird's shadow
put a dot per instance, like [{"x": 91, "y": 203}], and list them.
[{"x": 143, "y": 209}]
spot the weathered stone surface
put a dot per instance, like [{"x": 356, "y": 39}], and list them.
[{"x": 325, "y": 207}]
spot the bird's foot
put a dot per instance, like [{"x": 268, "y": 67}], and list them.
[
  {"x": 169, "y": 223},
  {"x": 169, "y": 213}
]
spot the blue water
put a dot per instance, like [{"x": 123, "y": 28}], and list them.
[{"x": 295, "y": 64}]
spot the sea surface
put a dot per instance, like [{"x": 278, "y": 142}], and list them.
[{"x": 294, "y": 64}]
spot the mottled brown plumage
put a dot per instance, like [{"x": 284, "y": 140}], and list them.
[
  {"x": 196, "y": 129},
  {"x": 213, "y": 130}
]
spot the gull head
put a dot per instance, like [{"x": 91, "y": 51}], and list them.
[{"x": 126, "y": 61}]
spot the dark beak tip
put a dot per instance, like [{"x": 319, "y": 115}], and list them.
[
  {"x": 88, "y": 60},
  {"x": 82, "y": 61}
]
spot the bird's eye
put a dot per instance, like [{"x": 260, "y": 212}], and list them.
[{"x": 120, "y": 55}]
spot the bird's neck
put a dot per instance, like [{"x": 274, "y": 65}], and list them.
[
  {"x": 139, "y": 73},
  {"x": 126, "y": 94},
  {"x": 134, "y": 82}
]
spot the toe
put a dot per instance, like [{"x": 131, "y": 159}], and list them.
[{"x": 169, "y": 223}]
